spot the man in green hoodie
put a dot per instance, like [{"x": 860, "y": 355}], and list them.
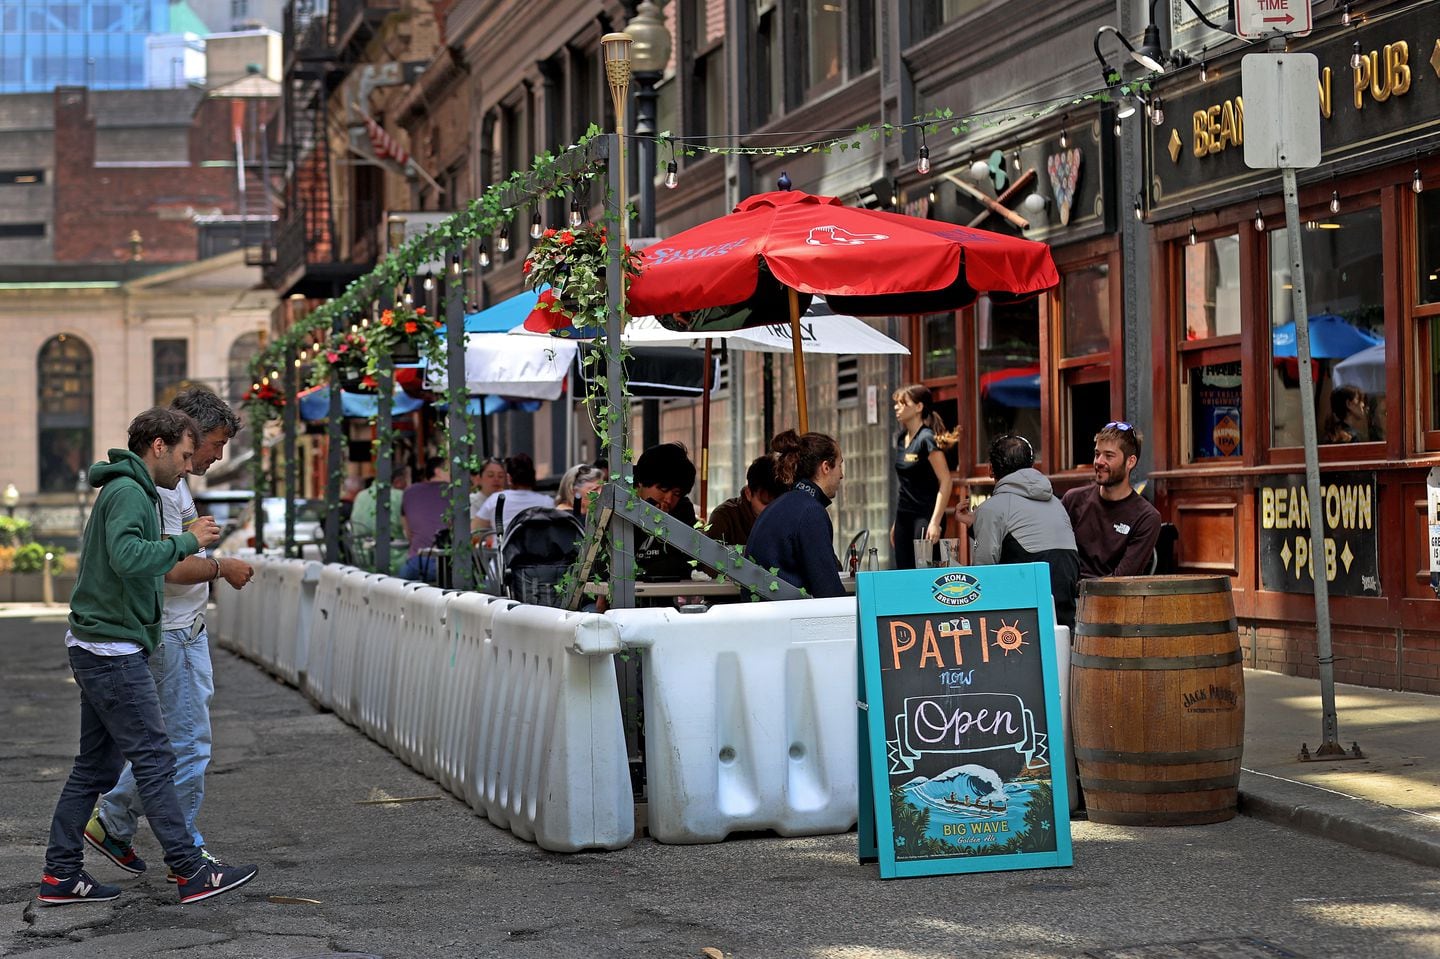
[{"x": 115, "y": 614}]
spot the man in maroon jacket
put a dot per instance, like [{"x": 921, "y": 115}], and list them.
[{"x": 1115, "y": 527}]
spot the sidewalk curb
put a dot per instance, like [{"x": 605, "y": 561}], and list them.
[{"x": 1346, "y": 819}]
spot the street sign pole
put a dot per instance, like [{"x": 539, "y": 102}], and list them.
[{"x": 1280, "y": 95}]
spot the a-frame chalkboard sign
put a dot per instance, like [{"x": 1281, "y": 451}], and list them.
[{"x": 962, "y": 751}]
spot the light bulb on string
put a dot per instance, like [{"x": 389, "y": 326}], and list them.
[
  {"x": 484, "y": 257},
  {"x": 1345, "y": 17},
  {"x": 255, "y": 386},
  {"x": 932, "y": 194},
  {"x": 537, "y": 226},
  {"x": 922, "y": 166},
  {"x": 1259, "y": 220},
  {"x": 455, "y": 268},
  {"x": 1157, "y": 111},
  {"x": 1357, "y": 57},
  {"x": 297, "y": 362},
  {"x": 304, "y": 354},
  {"x": 1204, "y": 72},
  {"x": 672, "y": 175},
  {"x": 407, "y": 297},
  {"x": 274, "y": 374},
  {"x": 1064, "y": 139},
  {"x": 1015, "y": 160},
  {"x": 1140, "y": 206},
  {"x": 429, "y": 282},
  {"x": 1193, "y": 238},
  {"x": 1334, "y": 201},
  {"x": 264, "y": 381},
  {"x": 1417, "y": 185},
  {"x": 577, "y": 215},
  {"x": 502, "y": 245},
  {"x": 1119, "y": 128}
]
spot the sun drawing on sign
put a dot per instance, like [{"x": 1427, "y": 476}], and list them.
[{"x": 1009, "y": 637}]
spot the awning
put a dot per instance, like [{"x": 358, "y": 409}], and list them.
[
  {"x": 501, "y": 365},
  {"x": 315, "y": 404}
]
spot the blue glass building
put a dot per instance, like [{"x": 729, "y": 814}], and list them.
[{"x": 95, "y": 43}]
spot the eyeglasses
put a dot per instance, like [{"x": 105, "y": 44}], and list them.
[{"x": 1120, "y": 425}]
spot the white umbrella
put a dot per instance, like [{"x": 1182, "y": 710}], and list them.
[
  {"x": 835, "y": 334},
  {"x": 497, "y": 364},
  {"x": 1364, "y": 370}
]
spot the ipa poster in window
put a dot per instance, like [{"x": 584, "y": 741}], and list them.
[{"x": 1217, "y": 411}]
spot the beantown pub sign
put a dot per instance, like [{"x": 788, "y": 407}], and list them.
[{"x": 1386, "y": 101}]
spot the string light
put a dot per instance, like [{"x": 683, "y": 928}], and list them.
[
  {"x": 1064, "y": 139},
  {"x": 1015, "y": 160},
  {"x": 304, "y": 354},
  {"x": 922, "y": 166},
  {"x": 1193, "y": 238},
  {"x": 1334, "y": 201},
  {"x": 255, "y": 386},
  {"x": 1157, "y": 111},
  {"x": 1119, "y": 129},
  {"x": 1357, "y": 58},
  {"x": 274, "y": 374},
  {"x": 1140, "y": 206},
  {"x": 297, "y": 362},
  {"x": 672, "y": 170},
  {"x": 1417, "y": 184},
  {"x": 502, "y": 245},
  {"x": 1204, "y": 72},
  {"x": 408, "y": 298},
  {"x": 429, "y": 282},
  {"x": 1259, "y": 220},
  {"x": 537, "y": 226},
  {"x": 484, "y": 257},
  {"x": 577, "y": 216},
  {"x": 1345, "y": 17},
  {"x": 455, "y": 264},
  {"x": 932, "y": 194}
]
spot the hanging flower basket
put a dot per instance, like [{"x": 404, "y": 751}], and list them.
[
  {"x": 406, "y": 335},
  {"x": 343, "y": 355},
  {"x": 267, "y": 402},
  {"x": 573, "y": 264}
]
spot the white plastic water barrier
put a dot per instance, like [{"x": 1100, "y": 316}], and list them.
[
  {"x": 750, "y": 718},
  {"x": 549, "y": 759},
  {"x": 286, "y": 651}
]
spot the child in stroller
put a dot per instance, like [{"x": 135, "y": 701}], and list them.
[{"x": 537, "y": 547}]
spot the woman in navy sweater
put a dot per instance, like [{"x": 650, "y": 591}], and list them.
[{"x": 794, "y": 533}]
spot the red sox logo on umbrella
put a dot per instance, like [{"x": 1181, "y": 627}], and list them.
[{"x": 836, "y": 236}]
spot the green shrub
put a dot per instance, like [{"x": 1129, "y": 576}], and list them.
[
  {"x": 14, "y": 532},
  {"x": 30, "y": 558}
]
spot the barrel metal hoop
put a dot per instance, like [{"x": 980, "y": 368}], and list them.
[
  {"x": 1166, "y": 786},
  {"x": 1221, "y": 755},
  {"x": 1131, "y": 630},
  {"x": 1210, "y": 661},
  {"x": 1157, "y": 587}
]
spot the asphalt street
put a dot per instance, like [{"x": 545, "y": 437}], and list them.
[{"x": 397, "y": 868}]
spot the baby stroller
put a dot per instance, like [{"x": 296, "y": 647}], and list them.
[{"x": 537, "y": 548}]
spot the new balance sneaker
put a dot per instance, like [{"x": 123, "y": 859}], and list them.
[
  {"x": 117, "y": 850},
  {"x": 80, "y": 887},
  {"x": 172, "y": 876},
  {"x": 211, "y": 879}
]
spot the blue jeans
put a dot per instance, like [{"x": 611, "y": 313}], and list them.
[
  {"x": 185, "y": 683},
  {"x": 419, "y": 568},
  {"x": 119, "y": 720}
]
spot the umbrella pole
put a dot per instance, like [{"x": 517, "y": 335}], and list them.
[
  {"x": 800, "y": 396},
  {"x": 705, "y": 433}
]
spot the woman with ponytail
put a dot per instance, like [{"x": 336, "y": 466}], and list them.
[
  {"x": 794, "y": 533},
  {"x": 924, "y": 474}
]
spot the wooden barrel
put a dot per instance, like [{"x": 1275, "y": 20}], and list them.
[{"x": 1157, "y": 700}]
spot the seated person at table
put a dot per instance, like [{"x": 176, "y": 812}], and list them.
[
  {"x": 521, "y": 495},
  {"x": 576, "y": 486},
  {"x": 422, "y": 514},
  {"x": 1023, "y": 522},
  {"x": 1115, "y": 527},
  {"x": 490, "y": 479},
  {"x": 664, "y": 477},
  {"x": 732, "y": 520},
  {"x": 794, "y": 533},
  {"x": 362, "y": 521}
]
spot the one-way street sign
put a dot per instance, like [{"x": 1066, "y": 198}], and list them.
[{"x": 1256, "y": 19}]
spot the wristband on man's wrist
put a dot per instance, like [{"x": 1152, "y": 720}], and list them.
[{"x": 217, "y": 568}]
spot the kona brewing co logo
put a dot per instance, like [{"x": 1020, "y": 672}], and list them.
[{"x": 957, "y": 589}]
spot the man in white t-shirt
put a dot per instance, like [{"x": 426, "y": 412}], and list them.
[{"x": 181, "y": 665}]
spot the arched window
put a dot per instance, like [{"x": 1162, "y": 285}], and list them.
[
  {"x": 66, "y": 406},
  {"x": 237, "y": 370}
]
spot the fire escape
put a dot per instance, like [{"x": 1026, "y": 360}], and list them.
[{"x": 323, "y": 43}]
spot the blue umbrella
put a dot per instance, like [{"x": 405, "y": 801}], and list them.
[
  {"x": 1331, "y": 338},
  {"x": 505, "y": 315},
  {"x": 315, "y": 404}
]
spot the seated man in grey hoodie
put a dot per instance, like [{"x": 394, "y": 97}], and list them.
[{"x": 1023, "y": 522}]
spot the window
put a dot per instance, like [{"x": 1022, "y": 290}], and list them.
[
  {"x": 64, "y": 424},
  {"x": 171, "y": 366},
  {"x": 937, "y": 346},
  {"x": 703, "y": 37},
  {"x": 22, "y": 177},
  {"x": 239, "y": 10},
  {"x": 1084, "y": 366},
  {"x": 1345, "y": 295},
  {"x": 768, "y": 92},
  {"x": 928, "y": 16},
  {"x": 1007, "y": 364},
  {"x": 1428, "y": 309},
  {"x": 862, "y": 29},
  {"x": 823, "y": 49},
  {"x": 1210, "y": 364},
  {"x": 15, "y": 231}
]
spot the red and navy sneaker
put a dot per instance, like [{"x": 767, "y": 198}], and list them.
[
  {"x": 80, "y": 887},
  {"x": 118, "y": 851},
  {"x": 211, "y": 879}
]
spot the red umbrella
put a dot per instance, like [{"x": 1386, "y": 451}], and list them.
[{"x": 751, "y": 267}]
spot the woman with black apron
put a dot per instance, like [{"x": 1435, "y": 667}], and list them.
[{"x": 923, "y": 471}]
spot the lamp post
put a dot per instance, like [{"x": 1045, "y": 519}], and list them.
[
  {"x": 11, "y": 498},
  {"x": 649, "y": 53}
]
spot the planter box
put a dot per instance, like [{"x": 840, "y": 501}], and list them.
[{"x": 28, "y": 588}]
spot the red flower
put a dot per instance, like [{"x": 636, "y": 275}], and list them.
[
  {"x": 411, "y": 326},
  {"x": 387, "y": 318},
  {"x": 332, "y": 356},
  {"x": 369, "y": 382},
  {"x": 567, "y": 238},
  {"x": 548, "y": 233},
  {"x": 526, "y": 267},
  {"x": 420, "y": 311}
]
